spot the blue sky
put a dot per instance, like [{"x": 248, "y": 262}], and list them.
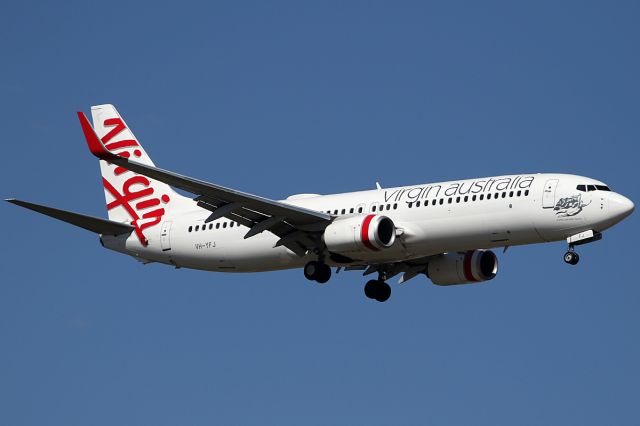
[{"x": 277, "y": 98}]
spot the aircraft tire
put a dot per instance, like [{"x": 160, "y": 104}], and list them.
[
  {"x": 383, "y": 291},
  {"x": 311, "y": 270},
  {"x": 370, "y": 289},
  {"x": 323, "y": 274},
  {"x": 571, "y": 257}
]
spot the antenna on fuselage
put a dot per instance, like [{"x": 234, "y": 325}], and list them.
[{"x": 378, "y": 186}]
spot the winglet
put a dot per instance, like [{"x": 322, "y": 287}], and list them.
[{"x": 96, "y": 146}]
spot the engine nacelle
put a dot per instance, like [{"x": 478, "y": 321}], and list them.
[
  {"x": 351, "y": 235},
  {"x": 463, "y": 268}
]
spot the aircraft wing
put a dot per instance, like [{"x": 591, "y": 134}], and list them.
[
  {"x": 90, "y": 223},
  {"x": 294, "y": 225}
]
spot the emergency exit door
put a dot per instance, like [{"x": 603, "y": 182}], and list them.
[
  {"x": 549, "y": 194},
  {"x": 165, "y": 236}
]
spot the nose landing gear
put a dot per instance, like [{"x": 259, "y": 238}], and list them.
[{"x": 571, "y": 257}]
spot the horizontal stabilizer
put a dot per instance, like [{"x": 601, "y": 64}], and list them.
[{"x": 93, "y": 224}]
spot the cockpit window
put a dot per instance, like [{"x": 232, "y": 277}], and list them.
[{"x": 585, "y": 188}]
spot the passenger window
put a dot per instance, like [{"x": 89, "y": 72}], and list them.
[
  {"x": 441, "y": 201},
  {"x": 388, "y": 206},
  {"x": 335, "y": 212},
  {"x": 190, "y": 228},
  {"x": 504, "y": 194},
  {"x": 510, "y": 194},
  {"x": 466, "y": 198},
  {"x": 373, "y": 208},
  {"x": 433, "y": 203},
  {"x": 488, "y": 196},
  {"x": 473, "y": 198},
  {"x": 450, "y": 200},
  {"x": 359, "y": 209},
  {"x": 210, "y": 226},
  {"x": 197, "y": 227},
  {"x": 224, "y": 224},
  {"x": 351, "y": 210},
  {"x": 418, "y": 204},
  {"x": 519, "y": 193},
  {"x": 481, "y": 197},
  {"x": 231, "y": 224},
  {"x": 581, "y": 188},
  {"x": 218, "y": 225},
  {"x": 410, "y": 204},
  {"x": 497, "y": 195},
  {"x": 526, "y": 193},
  {"x": 343, "y": 211},
  {"x": 457, "y": 199}
]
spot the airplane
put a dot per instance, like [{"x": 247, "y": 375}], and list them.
[{"x": 442, "y": 230}]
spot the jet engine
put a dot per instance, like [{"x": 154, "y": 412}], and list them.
[
  {"x": 353, "y": 235},
  {"x": 463, "y": 268}
]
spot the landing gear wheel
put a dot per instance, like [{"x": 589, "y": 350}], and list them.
[
  {"x": 370, "y": 289},
  {"x": 377, "y": 290},
  {"x": 576, "y": 258},
  {"x": 324, "y": 273},
  {"x": 317, "y": 271},
  {"x": 571, "y": 257},
  {"x": 311, "y": 270},
  {"x": 384, "y": 292}
]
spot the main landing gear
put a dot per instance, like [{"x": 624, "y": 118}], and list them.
[
  {"x": 317, "y": 271},
  {"x": 377, "y": 290},
  {"x": 571, "y": 257}
]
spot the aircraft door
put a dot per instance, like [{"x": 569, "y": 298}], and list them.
[
  {"x": 165, "y": 236},
  {"x": 549, "y": 194}
]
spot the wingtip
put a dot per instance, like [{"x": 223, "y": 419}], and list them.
[{"x": 93, "y": 142}]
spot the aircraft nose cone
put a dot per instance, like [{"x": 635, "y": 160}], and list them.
[{"x": 621, "y": 206}]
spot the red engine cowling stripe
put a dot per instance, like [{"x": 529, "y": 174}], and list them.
[
  {"x": 364, "y": 233},
  {"x": 467, "y": 266}
]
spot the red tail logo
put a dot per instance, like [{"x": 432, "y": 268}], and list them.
[{"x": 136, "y": 188}]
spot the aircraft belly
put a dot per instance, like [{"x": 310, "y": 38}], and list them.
[
  {"x": 438, "y": 235},
  {"x": 230, "y": 252}
]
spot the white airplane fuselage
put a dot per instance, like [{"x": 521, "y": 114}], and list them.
[
  {"x": 441, "y": 230},
  {"x": 431, "y": 219}
]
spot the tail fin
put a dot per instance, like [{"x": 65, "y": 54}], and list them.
[{"x": 131, "y": 198}]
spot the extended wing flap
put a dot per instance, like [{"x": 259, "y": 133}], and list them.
[{"x": 90, "y": 223}]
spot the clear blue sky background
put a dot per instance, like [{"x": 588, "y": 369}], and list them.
[{"x": 277, "y": 98}]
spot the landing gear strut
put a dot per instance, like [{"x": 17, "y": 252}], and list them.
[
  {"x": 377, "y": 290},
  {"x": 571, "y": 257},
  {"x": 317, "y": 271}
]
